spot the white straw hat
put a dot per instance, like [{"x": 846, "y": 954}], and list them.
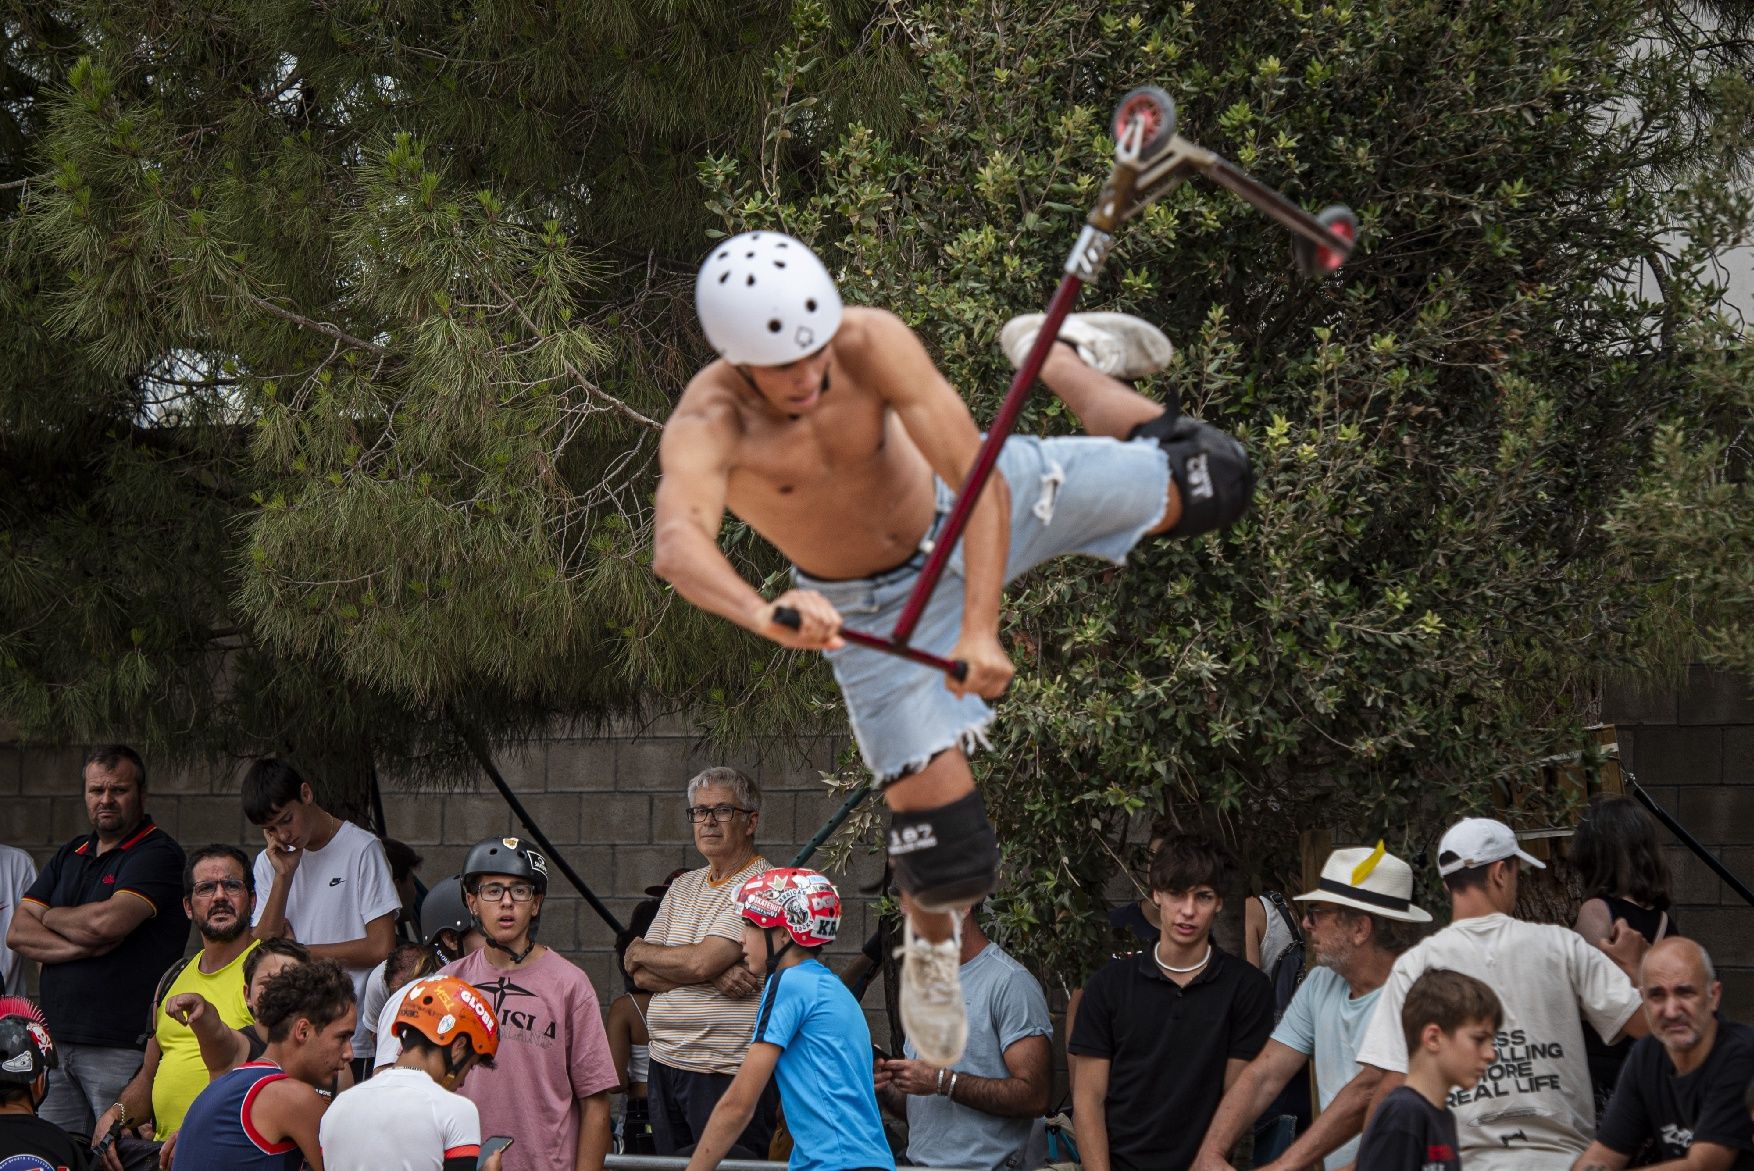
[{"x": 1368, "y": 880}]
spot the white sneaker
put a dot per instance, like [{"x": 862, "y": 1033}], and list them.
[
  {"x": 932, "y": 1011},
  {"x": 1118, "y": 344}
]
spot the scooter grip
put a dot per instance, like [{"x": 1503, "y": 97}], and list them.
[{"x": 787, "y": 616}]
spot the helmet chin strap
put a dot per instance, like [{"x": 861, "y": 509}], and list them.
[
  {"x": 773, "y": 957},
  {"x": 517, "y": 957}
]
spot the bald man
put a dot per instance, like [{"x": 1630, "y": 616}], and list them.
[{"x": 1682, "y": 1087}]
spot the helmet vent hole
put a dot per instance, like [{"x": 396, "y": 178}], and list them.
[
  {"x": 779, "y": 264},
  {"x": 724, "y": 254},
  {"x": 773, "y": 325},
  {"x": 749, "y": 255},
  {"x": 749, "y": 280},
  {"x": 723, "y": 277},
  {"x": 810, "y": 305}
]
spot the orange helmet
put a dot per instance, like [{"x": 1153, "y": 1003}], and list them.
[{"x": 443, "y": 1008}]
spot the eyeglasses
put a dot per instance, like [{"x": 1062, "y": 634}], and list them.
[
  {"x": 205, "y": 890},
  {"x": 493, "y": 892},
  {"x": 1314, "y": 912},
  {"x": 720, "y": 813}
]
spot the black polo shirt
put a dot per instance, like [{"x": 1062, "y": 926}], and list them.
[
  {"x": 1167, "y": 1047},
  {"x": 107, "y": 1000}
]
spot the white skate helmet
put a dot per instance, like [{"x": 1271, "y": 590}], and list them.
[{"x": 765, "y": 300}]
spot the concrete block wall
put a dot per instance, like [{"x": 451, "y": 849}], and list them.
[
  {"x": 612, "y": 806},
  {"x": 1692, "y": 748}
]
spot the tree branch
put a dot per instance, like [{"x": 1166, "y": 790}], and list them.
[
  {"x": 321, "y": 327},
  {"x": 590, "y": 389}
]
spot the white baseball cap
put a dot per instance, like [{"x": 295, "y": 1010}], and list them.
[{"x": 1480, "y": 841}]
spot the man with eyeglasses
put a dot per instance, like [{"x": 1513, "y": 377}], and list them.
[
  {"x": 550, "y": 1082},
  {"x": 218, "y": 895},
  {"x": 1358, "y": 919},
  {"x": 703, "y": 1015}
]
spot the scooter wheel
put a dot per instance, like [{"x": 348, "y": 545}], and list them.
[
  {"x": 1318, "y": 260},
  {"x": 1154, "y": 109}
]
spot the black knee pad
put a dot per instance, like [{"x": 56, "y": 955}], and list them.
[
  {"x": 945, "y": 857},
  {"x": 1211, "y": 470}
]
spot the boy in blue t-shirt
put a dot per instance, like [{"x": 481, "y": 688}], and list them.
[{"x": 809, "y": 1033}]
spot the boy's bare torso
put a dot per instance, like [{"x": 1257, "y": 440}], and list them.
[{"x": 841, "y": 489}]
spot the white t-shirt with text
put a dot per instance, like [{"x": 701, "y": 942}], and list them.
[
  {"x": 335, "y": 892},
  {"x": 1534, "y": 1110}
]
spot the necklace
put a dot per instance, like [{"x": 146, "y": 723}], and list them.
[{"x": 1180, "y": 971}]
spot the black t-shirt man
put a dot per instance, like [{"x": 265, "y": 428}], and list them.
[
  {"x": 27, "y": 1143},
  {"x": 107, "y": 1000},
  {"x": 1407, "y": 1133},
  {"x": 1167, "y": 1047},
  {"x": 1675, "y": 1111}
]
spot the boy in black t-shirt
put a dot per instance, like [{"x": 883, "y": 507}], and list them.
[
  {"x": 26, "y": 1056},
  {"x": 1451, "y": 1024},
  {"x": 1682, "y": 1087}
]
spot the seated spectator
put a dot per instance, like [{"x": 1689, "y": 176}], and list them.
[
  {"x": 980, "y": 1112},
  {"x": 224, "y": 1049},
  {"x": 320, "y": 880},
  {"x": 406, "y": 962},
  {"x": 264, "y": 1115},
  {"x": 1450, "y": 1024},
  {"x": 629, "y": 1040},
  {"x": 410, "y": 1115},
  {"x": 1624, "y": 880},
  {"x": 1682, "y": 1089},
  {"x": 1358, "y": 920},
  {"x": 27, "y": 1055},
  {"x": 1273, "y": 942},
  {"x": 218, "y": 896},
  {"x": 450, "y": 933},
  {"x": 810, "y": 1034},
  {"x": 1534, "y": 1111},
  {"x": 1163, "y": 1034}
]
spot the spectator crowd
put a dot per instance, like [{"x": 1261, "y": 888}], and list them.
[{"x": 1346, "y": 1033}]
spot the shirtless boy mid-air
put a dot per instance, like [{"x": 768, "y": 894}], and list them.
[{"x": 829, "y": 431}]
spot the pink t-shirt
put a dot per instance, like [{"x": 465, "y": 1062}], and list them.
[{"x": 552, "y": 1051}]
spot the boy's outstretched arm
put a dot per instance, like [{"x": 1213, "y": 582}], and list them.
[{"x": 736, "y": 1108}]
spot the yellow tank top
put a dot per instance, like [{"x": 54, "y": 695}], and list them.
[{"x": 181, "y": 1072}]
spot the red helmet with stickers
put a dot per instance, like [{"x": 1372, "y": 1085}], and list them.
[{"x": 802, "y": 901}]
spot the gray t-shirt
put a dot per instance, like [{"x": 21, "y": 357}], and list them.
[
  {"x": 1325, "y": 1020},
  {"x": 1005, "y": 1004}
]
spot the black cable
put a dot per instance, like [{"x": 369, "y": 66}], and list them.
[
  {"x": 523, "y": 815},
  {"x": 1687, "y": 839}
]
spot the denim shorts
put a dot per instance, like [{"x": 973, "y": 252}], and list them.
[{"x": 1069, "y": 494}]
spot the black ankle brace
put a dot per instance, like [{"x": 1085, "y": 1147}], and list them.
[{"x": 1211, "y": 471}]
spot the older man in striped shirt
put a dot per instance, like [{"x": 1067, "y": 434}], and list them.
[{"x": 692, "y": 957}]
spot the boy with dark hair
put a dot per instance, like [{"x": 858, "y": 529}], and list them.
[
  {"x": 324, "y": 880},
  {"x": 27, "y": 1054},
  {"x": 1537, "y": 1112},
  {"x": 264, "y": 1115},
  {"x": 810, "y": 1035},
  {"x": 411, "y": 1115},
  {"x": 1161, "y": 1035},
  {"x": 1450, "y": 1023},
  {"x": 224, "y": 1049}
]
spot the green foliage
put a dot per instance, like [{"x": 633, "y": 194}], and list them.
[
  {"x": 1424, "y": 598},
  {"x": 338, "y": 336}
]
